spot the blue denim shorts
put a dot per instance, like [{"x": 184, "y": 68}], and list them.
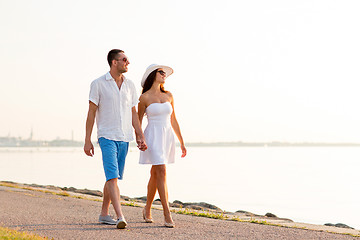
[{"x": 113, "y": 155}]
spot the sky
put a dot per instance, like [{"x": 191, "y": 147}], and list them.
[{"x": 243, "y": 70}]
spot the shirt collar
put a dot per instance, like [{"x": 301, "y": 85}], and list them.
[{"x": 108, "y": 77}]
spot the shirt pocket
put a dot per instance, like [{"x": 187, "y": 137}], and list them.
[{"x": 126, "y": 98}]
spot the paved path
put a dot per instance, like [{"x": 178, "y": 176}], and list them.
[{"x": 62, "y": 217}]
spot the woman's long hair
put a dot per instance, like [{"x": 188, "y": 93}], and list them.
[{"x": 150, "y": 81}]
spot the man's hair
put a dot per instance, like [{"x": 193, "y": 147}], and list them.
[{"x": 112, "y": 55}]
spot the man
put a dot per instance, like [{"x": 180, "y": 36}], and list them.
[{"x": 112, "y": 101}]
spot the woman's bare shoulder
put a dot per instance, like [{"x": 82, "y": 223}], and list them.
[
  {"x": 144, "y": 97},
  {"x": 169, "y": 94}
]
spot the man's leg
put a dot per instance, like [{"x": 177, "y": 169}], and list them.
[
  {"x": 114, "y": 192},
  {"x": 106, "y": 201},
  {"x": 114, "y": 195},
  {"x": 109, "y": 151},
  {"x": 122, "y": 150}
]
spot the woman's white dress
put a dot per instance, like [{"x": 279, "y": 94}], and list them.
[{"x": 159, "y": 135}]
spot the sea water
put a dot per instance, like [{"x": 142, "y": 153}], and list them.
[{"x": 306, "y": 184}]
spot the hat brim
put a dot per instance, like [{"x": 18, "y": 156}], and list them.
[{"x": 168, "y": 70}]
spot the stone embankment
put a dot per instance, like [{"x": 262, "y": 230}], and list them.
[{"x": 200, "y": 206}]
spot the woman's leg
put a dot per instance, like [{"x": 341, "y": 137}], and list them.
[
  {"x": 160, "y": 171},
  {"x": 151, "y": 191}
]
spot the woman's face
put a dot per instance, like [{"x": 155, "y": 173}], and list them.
[{"x": 160, "y": 76}]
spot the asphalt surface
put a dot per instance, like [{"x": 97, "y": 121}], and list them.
[{"x": 62, "y": 217}]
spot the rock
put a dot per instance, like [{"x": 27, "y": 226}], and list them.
[
  {"x": 126, "y": 198},
  {"x": 90, "y": 192},
  {"x": 71, "y": 189},
  {"x": 141, "y": 199},
  {"x": 51, "y": 187},
  {"x": 208, "y": 205},
  {"x": 241, "y": 211},
  {"x": 201, "y": 206},
  {"x": 228, "y": 213},
  {"x": 195, "y": 207},
  {"x": 339, "y": 225},
  {"x": 177, "y": 205},
  {"x": 270, "y": 215},
  {"x": 248, "y": 214},
  {"x": 83, "y": 191},
  {"x": 329, "y": 224}
]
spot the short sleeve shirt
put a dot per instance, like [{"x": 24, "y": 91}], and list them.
[{"x": 114, "y": 112}]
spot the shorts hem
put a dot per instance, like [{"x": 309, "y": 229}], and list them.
[{"x": 113, "y": 177}]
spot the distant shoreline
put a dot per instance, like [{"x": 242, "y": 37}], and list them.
[
  {"x": 18, "y": 143},
  {"x": 271, "y": 144}
]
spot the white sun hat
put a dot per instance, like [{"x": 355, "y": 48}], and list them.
[{"x": 152, "y": 67}]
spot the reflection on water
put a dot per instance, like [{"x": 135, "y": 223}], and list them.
[{"x": 306, "y": 184}]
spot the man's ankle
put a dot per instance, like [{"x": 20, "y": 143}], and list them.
[{"x": 104, "y": 214}]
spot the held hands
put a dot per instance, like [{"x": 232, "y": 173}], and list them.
[
  {"x": 141, "y": 144},
  {"x": 89, "y": 148},
  {"x": 183, "y": 149}
]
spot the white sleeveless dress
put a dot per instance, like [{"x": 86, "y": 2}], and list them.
[{"x": 159, "y": 135}]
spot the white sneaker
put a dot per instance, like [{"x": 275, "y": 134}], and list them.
[
  {"x": 121, "y": 223},
  {"x": 107, "y": 220}
]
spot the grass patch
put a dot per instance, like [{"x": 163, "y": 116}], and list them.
[
  {"x": 236, "y": 218},
  {"x": 262, "y": 222},
  {"x": 65, "y": 194},
  {"x": 208, "y": 214},
  {"x": 131, "y": 204},
  {"x": 7, "y": 234}
]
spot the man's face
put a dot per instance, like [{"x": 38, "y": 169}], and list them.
[{"x": 121, "y": 63}]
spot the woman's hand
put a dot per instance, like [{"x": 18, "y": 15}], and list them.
[
  {"x": 141, "y": 144},
  {"x": 183, "y": 149}
]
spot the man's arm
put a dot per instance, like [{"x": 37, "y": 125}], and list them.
[
  {"x": 140, "y": 139},
  {"x": 88, "y": 146}
]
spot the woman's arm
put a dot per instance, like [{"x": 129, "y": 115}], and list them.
[
  {"x": 176, "y": 128},
  {"x": 141, "y": 108},
  {"x": 138, "y": 120},
  {"x": 140, "y": 138}
]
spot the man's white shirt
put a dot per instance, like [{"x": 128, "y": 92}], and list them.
[{"x": 114, "y": 114}]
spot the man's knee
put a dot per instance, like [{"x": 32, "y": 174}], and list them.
[{"x": 111, "y": 182}]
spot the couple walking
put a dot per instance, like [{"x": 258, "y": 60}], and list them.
[{"x": 112, "y": 102}]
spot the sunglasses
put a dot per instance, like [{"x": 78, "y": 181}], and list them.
[
  {"x": 162, "y": 72},
  {"x": 123, "y": 59}
]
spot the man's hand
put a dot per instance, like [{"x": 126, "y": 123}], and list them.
[
  {"x": 89, "y": 148},
  {"x": 141, "y": 144}
]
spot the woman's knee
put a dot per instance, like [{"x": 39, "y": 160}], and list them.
[
  {"x": 160, "y": 170},
  {"x": 153, "y": 171}
]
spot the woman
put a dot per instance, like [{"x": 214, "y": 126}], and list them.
[{"x": 158, "y": 105}]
